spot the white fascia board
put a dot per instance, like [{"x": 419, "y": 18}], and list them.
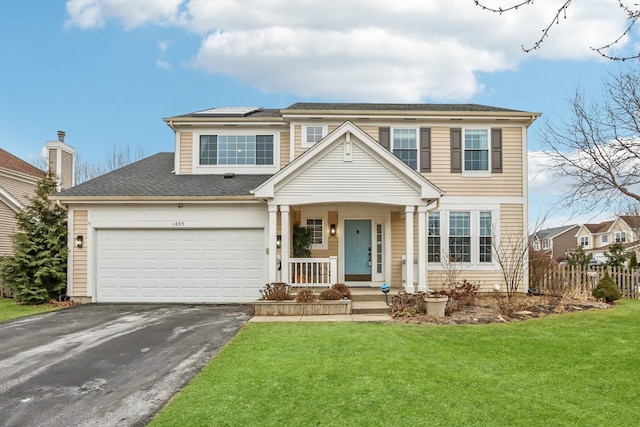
[{"x": 10, "y": 201}]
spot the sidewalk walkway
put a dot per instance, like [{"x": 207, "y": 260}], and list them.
[{"x": 324, "y": 318}]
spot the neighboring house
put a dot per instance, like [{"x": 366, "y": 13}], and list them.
[
  {"x": 437, "y": 186},
  {"x": 596, "y": 239},
  {"x": 555, "y": 241},
  {"x": 18, "y": 182}
]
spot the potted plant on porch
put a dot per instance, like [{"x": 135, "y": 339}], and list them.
[{"x": 302, "y": 239}]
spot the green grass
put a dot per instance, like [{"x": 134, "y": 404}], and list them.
[
  {"x": 10, "y": 310},
  {"x": 579, "y": 369}
]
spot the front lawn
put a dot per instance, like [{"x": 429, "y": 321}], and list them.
[
  {"x": 574, "y": 369},
  {"x": 10, "y": 310}
]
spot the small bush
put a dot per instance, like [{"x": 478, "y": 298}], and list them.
[
  {"x": 461, "y": 296},
  {"x": 330, "y": 294},
  {"x": 508, "y": 306},
  {"x": 406, "y": 304},
  {"x": 276, "y": 291},
  {"x": 305, "y": 295},
  {"x": 343, "y": 289},
  {"x": 607, "y": 289}
]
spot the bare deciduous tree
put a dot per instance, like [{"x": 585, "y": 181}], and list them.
[
  {"x": 115, "y": 158},
  {"x": 597, "y": 150},
  {"x": 631, "y": 9}
]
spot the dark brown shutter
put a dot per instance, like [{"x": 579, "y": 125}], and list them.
[
  {"x": 384, "y": 134},
  {"x": 456, "y": 150},
  {"x": 496, "y": 150},
  {"x": 425, "y": 150}
]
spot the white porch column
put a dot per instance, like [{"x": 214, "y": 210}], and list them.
[
  {"x": 273, "y": 224},
  {"x": 408, "y": 217},
  {"x": 286, "y": 243},
  {"x": 422, "y": 245}
]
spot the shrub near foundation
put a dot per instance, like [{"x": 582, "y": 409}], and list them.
[
  {"x": 344, "y": 290},
  {"x": 305, "y": 295},
  {"x": 330, "y": 294},
  {"x": 276, "y": 291}
]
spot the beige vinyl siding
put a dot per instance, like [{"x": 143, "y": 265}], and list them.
[
  {"x": 19, "y": 189},
  {"x": 8, "y": 221},
  {"x": 284, "y": 148},
  {"x": 186, "y": 152},
  {"x": 66, "y": 174},
  {"x": 398, "y": 249},
  {"x": 332, "y": 241},
  {"x": 297, "y": 135},
  {"x": 53, "y": 160},
  {"x": 79, "y": 255},
  {"x": 507, "y": 183}
]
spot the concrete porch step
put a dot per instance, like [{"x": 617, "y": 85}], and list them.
[
  {"x": 369, "y": 307},
  {"x": 369, "y": 294}
]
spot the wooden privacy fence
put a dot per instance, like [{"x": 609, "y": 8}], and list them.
[{"x": 564, "y": 280}]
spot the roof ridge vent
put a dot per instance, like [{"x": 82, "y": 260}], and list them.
[{"x": 227, "y": 112}]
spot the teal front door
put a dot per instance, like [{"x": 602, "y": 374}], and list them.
[{"x": 357, "y": 250}]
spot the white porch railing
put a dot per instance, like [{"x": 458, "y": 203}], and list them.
[{"x": 313, "y": 271}]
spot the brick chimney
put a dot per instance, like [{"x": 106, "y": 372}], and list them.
[{"x": 62, "y": 161}]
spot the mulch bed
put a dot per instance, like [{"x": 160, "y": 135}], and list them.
[{"x": 487, "y": 310}]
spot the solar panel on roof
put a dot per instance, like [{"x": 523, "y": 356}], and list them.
[{"x": 228, "y": 111}]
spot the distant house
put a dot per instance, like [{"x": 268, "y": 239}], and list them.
[
  {"x": 383, "y": 187},
  {"x": 555, "y": 241},
  {"x": 18, "y": 182},
  {"x": 596, "y": 239}
]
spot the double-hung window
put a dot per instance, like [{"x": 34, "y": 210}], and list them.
[
  {"x": 460, "y": 236},
  {"x": 433, "y": 243},
  {"x": 621, "y": 236},
  {"x": 545, "y": 244},
  {"x": 236, "y": 150},
  {"x": 604, "y": 239},
  {"x": 476, "y": 150},
  {"x": 405, "y": 146},
  {"x": 584, "y": 241},
  {"x": 317, "y": 229}
]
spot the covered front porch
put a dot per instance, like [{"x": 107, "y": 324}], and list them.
[{"x": 362, "y": 245}]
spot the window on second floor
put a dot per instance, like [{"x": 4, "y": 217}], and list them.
[
  {"x": 621, "y": 236},
  {"x": 404, "y": 144},
  {"x": 604, "y": 239},
  {"x": 476, "y": 150},
  {"x": 312, "y": 134},
  {"x": 584, "y": 241},
  {"x": 536, "y": 245},
  {"x": 236, "y": 150},
  {"x": 546, "y": 244}
]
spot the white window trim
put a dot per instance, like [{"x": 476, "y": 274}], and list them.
[
  {"x": 317, "y": 214},
  {"x": 199, "y": 169},
  {"x": 466, "y": 173},
  {"x": 475, "y": 263},
  {"x": 580, "y": 241},
  {"x": 604, "y": 239},
  {"x": 536, "y": 245},
  {"x": 546, "y": 246},
  {"x": 417, "y": 130},
  {"x": 303, "y": 142},
  {"x": 620, "y": 235}
]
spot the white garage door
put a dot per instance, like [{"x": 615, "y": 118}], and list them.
[{"x": 179, "y": 265}]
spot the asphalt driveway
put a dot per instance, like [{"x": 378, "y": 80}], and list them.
[{"x": 106, "y": 365}]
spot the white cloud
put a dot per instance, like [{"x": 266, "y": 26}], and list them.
[
  {"x": 130, "y": 13},
  {"x": 163, "y": 64},
  {"x": 363, "y": 50}
]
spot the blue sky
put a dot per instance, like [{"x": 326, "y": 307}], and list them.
[{"x": 108, "y": 71}]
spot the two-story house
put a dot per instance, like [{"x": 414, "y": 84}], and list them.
[
  {"x": 382, "y": 186},
  {"x": 555, "y": 241},
  {"x": 596, "y": 239}
]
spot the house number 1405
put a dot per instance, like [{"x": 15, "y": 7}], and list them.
[{"x": 178, "y": 223}]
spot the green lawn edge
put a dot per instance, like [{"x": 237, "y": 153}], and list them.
[
  {"x": 10, "y": 310},
  {"x": 572, "y": 369}
]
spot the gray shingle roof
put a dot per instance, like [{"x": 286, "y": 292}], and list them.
[
  {"x": 553, "y": 232},
  {"x": 263, "y": 112},
  {"x": 396, "y": 107},
  {"x": 152, "y": 177}
]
